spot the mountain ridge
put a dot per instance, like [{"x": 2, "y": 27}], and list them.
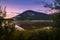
[{"x": 32, "y": 15}]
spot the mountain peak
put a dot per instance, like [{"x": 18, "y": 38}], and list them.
[
  {"x": 32, "y": 15},
  {"x": 32, "y": 12},
  {"x": 29, "y": 10}
]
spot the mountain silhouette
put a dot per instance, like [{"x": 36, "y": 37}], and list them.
[{"x": 32, "y": 15}]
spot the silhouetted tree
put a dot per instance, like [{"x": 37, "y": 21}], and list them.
[{"x": 56, "y": 5}]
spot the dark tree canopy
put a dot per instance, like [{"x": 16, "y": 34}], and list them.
[{"x": 56, "y": 5}]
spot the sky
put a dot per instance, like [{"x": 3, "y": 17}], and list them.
[{"x": 18, "y": 6}]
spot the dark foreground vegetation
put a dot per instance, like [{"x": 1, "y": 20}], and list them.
[
  {"x": 43, "y": 33},
  {"x": 37, "y": 34}
]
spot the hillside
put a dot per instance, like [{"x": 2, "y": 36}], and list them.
[{"x": 32, "y": 15}]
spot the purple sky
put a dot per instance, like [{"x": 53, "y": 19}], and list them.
[{"x": 22, "y": 5}]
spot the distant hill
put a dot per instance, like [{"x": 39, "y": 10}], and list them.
[{"x": 32, "y": 15}]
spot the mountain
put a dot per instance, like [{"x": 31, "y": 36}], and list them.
[
  {"x": 26, "y": 17},
  {"x": 32, "y": 15}
]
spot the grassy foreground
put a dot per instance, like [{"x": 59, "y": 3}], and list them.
[{"x": 37, "y": 34}]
